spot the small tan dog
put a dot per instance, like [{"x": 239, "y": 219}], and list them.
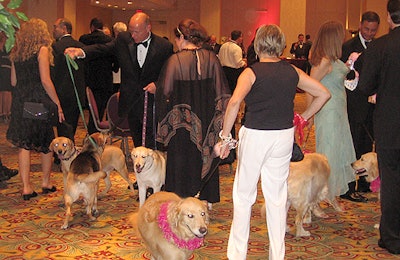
[
  {"x": 149, "y": 167},
  {"x": 171, "y": 227},
  {"x": 307, "y": 186},
  {"x": 82, "y": 180},
  {"x": 112, "y": 158}
]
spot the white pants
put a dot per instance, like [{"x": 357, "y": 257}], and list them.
[{"x": 265, "y": 153}]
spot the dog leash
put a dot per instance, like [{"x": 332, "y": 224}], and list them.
[
  {"x": 72, "y": 63},
  {"x": 232, "y": 144}
]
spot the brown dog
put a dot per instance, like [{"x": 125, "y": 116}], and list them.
[
  {"x": 82, "y": 180},
  {"x": 171, "y": 227},
  {"x": 112, "y": 158}
]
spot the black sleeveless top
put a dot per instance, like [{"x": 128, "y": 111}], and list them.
[{"x": 270, "y": 100}]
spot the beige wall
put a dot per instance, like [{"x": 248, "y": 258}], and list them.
[
  {"x": 293, "y": 21},
  {"x": 219, "y": 17}
]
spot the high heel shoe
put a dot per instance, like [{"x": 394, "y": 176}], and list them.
[
  {"x": 49, "y": 190},
  {"x": 29, "y": 196}
]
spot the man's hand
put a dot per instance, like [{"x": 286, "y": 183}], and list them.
[
  {"x": 74, "y": 52},
  {"x": 151, "y": 88}
]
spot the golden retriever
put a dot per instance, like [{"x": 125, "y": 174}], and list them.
[
  {"x": 307, "y": 186},
  {"x": 149, "y": 167},
  {"x": 112, "y": 158},
  {"x": 171, "y": 227},
  {"x": 82, "y": 180},
  {"x": 367, "y": 166}
]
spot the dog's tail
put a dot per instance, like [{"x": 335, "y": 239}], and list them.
[
  {"x": 92, "y": 177},
  {"x": 133, "y": 220}
]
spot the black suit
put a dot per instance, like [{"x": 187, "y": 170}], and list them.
[
  {"x": 359, "y": 110},
  {"x": 64, "y": 86},
  {"x": 134, "y": 78},
  {"x": 99, "y": 74},
  {"x": 381, "y": 75}
]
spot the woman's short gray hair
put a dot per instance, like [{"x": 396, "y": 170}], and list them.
[{"x": 269, "y": 40}]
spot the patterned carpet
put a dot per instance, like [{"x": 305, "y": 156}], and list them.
[{"x": 31, "y": 229}]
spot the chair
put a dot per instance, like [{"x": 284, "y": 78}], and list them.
[
  {"x": 101, "y": 126},
  {"x": 119, "y": 126}
]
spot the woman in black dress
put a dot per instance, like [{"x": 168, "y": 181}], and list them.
[
  {"x": 30, "y": 75},
  {"x": 192, "y": 93}
]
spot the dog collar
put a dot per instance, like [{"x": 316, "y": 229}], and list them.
[
  {"x": 169, "y": 235},
  {"x": 66, "y": 159}
]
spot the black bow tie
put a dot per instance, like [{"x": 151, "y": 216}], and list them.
[{"x": 145, "y": 43}]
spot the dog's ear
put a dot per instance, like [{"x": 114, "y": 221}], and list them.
[
  {"x": 150, "y": 152},
  {"x": 52, "y": 145}
]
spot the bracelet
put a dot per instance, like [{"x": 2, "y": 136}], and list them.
[{"x": 225, "y": 139}]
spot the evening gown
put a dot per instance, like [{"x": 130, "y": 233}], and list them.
[
  {"x": 192, "y": 93},
  {"x": 332, "y": 132},
  {"x": 26, "y": 133}
]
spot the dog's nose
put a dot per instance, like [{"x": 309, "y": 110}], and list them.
[
  {"x": 203, "y": 230},
  {"x": 59, "y": 151}
]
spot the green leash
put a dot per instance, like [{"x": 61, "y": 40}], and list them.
[{"x": 72, "y": 63}]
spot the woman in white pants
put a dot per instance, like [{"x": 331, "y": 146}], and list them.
[{"x": 266, "y": 139}]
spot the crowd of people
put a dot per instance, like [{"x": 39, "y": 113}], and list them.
[{"x": 186, "y": 103}]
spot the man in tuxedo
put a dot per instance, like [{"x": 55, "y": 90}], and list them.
[
  {"x": 215, "y": 46},
  {"x": 98, "y": 70},
  {"x": 301, "y": 50},
  {"x": 62, "y": 30},
  {"x": 359, "y": 110},
  {"x": 380, "y": 75},
  {"x": 141, "y": 55}
]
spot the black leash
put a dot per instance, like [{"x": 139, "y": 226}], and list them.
[{"x": 207, "y": 178}]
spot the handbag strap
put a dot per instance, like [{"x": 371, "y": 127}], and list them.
[{"x": 72, "y": 63}]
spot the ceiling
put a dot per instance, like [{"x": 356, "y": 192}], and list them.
[{"x": 135, "y": 4}]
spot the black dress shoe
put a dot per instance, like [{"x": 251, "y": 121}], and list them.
[
  {"x": 10, "y": 172},
  {"x": 29, "y": 196},
  {"x": 47, "y": 190},
  {"x": 353, "y": 196}
]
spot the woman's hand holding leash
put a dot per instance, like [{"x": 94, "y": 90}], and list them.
[{"x": 226, "y": 144}]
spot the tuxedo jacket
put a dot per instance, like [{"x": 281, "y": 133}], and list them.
[
  {"x": 133, "y": 78},
  {"x": 99, "y": 70},
  {"x": 381, "y": 75},
  {"x": 61, "y": 77},
  {"x": 357, "y": 101}
]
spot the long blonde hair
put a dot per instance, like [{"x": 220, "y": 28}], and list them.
[
  {"x": 328, "y": 43},
  {"x": 32, "y": 35}
]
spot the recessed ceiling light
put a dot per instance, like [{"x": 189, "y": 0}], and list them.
[
  {"x": 97, "y": 2},
  {"x": 130, "y": 2}
]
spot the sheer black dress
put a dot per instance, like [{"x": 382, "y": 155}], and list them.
[{"x": 191, "y": 98}]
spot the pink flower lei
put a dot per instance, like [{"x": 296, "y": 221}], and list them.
[{"x": 191, "y": 244}]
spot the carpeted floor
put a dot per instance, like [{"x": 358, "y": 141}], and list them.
[{"x": 31, "y": 229}]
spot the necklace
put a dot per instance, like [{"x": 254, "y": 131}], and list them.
[{"x": 169, "y": 235}]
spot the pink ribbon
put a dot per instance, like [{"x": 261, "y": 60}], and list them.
[{"x": 299, "y": 122}]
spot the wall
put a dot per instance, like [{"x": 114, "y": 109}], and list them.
[
  {"x": 293, "y": 21},
  {"x": 219, "y": 17}
]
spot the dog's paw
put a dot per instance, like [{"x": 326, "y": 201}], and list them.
[
  {"x": 302, "y": 233},
  {"x": 376, "y": 226},
  {"x": 64, "y": 226}
]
